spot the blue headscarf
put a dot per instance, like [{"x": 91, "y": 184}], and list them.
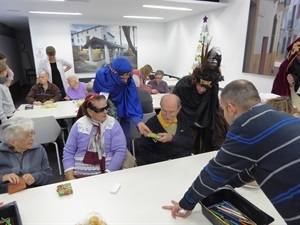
[{"x": 124, "y": 95}]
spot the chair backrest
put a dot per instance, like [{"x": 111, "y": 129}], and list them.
[
  {"x": 134, "y": 133},
  {"x": 46, "y": 129}
]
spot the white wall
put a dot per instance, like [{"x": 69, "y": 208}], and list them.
[
  {"x": 56, "y": 32},
  {"x": 170, "y": 47},
  {"x": 228, "y": 27}
]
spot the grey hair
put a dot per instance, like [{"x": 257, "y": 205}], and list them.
[
  {"x": 89, "y": 87},
  {"x": 13, "y": 127},
  {"x": 74, "y": 77},
  {"x": 174, "y": 96},
  {"x": 159, "y": 72},
  {"x": 241, "y": 93}
]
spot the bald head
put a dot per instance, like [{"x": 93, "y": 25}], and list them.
[
  {"x": 170, "y": 106},
  {"x": 170, "y": 99},
  {"x": 241, "y": 93},
  {"x": 44, "y": 73},
  {"x": 43, "y": 77}
]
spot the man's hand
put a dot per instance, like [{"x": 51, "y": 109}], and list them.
[
  {"x": 144, "y": 130},
  {"x": 176, "y": 210},
  {"x": 37, "y": 103},
  {"x": 165, "y": 137}
]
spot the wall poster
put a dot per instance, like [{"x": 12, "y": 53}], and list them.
[
  {"x": 95, "y": 46},
  {"x": 272, "y": 26}
]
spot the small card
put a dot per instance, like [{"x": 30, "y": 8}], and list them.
[
  {"x": 153, "y": 135},
  {"x": 13, "y": 188},
  {"x": 50, "y": 105}
]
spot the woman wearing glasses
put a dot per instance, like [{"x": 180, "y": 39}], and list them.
[
  {"x": 22, "y": 160},
  {"x": 96, "y": 143}
]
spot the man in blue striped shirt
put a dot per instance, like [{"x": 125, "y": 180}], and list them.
[{"x": 262, "y": 144}]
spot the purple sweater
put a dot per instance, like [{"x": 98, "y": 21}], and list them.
[
  {"x": 77, "y": 143},
  {"x": 78, "y": 93},
  {"x": 162, "y": 87}
]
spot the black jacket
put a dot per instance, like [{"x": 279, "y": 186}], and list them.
[{"x": 180, "y": 146}]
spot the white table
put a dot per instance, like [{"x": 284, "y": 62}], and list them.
[
  {"x": 64, "y": 110},
  {"x": 144, "y": 190},
  {"x": 170, "y": 81},
  {"x": 156, "y": 100}
]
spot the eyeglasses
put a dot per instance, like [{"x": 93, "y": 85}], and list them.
[
  {"x": 98, "y": 110},
  {"x": 28, "y": 135},
  {"x": 165, "y": 112}
]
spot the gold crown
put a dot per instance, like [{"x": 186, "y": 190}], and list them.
[{"x": 205, "y": 83}]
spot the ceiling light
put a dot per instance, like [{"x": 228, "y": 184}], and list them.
[
  {"x": 144, "y": 17},
  {"x": 166, "y": 7},
  {"x": 57, "y": 13}
]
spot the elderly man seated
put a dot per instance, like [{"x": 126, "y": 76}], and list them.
[
  {"x": 43, "y": 92},
  {"x": 76, "y": 89},
  {"x": 175, "y": 140}
]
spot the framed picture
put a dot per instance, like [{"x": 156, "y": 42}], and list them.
[
  {"x": 95, "y": 46},
  {"x": 272, "y": 26}
]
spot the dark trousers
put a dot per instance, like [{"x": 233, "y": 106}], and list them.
[{"x": 125, "y": 124}]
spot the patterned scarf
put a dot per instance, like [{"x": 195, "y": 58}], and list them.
[{"x": 95, "y": 153}]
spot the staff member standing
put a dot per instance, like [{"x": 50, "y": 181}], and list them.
[
  {"x": 56, "y": 69},
  {"x": 7, "y": 106}
]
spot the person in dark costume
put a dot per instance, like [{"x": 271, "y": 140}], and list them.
[
  {"x": 198, "y": 93},
  {"x": 287, "y": 80}
]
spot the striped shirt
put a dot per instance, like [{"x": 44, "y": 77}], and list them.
[{"x": 263, "y": 145}]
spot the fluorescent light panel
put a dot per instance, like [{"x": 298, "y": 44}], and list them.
[
  {"x": 57, "y": 13},
  {"x": 167, "y": 7},
  {"x": 144, "y": 17}
]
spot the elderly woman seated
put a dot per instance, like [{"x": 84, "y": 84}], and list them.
[
  {"x": 96, "y": 142},
  {"x": 158, "y": 85},
  {"x": 20, "y": 157},
  {"x": 76, "y": 89},
  {"x": 43, "y": 92}
]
